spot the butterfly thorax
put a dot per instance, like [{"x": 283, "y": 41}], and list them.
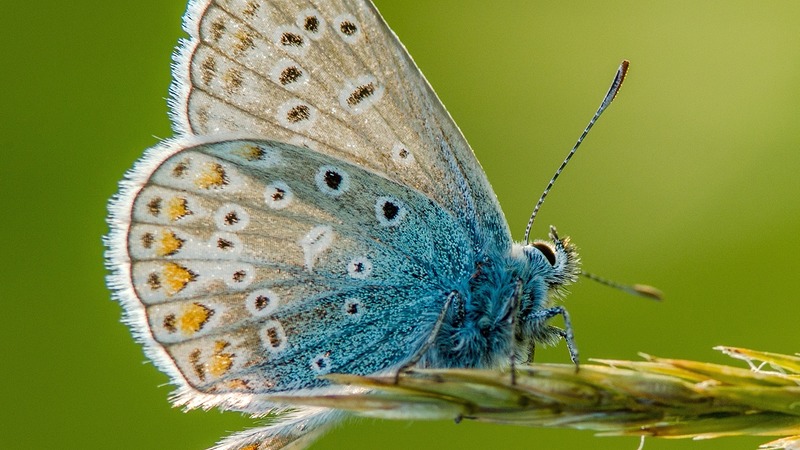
[{"x": 504, "y": 306}]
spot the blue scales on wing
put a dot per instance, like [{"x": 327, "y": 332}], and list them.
[{"x": 261, "y": 265}]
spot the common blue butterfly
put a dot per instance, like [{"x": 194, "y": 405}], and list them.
[{"x": 318, "y": 211}]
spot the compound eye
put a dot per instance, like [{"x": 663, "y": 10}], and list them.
[{"x": 547, "y": 251}]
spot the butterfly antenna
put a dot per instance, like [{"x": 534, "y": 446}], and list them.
[
  {"x": 641, "y": 290},
  {"x": 612, "y": 92}
]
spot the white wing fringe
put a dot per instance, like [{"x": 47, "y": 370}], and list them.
[{"x": 293, "y": 431}]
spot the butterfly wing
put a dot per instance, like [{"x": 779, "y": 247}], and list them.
[
  {"x": 333, "y": 77},
  {"x": 250, "y": 268}
]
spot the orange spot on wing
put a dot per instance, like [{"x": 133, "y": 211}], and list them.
[
  {"x": 251, "y": 152},
  {"x": 178, "y": 208},
  {"x": 176, "y": 277},
  {"x": 220, "y": 363},
  {"x": 212, "y": 177},
  {"x": 169, "y": 244},
  {"x": 238, "y": 384},
  {"x": 194, "y": 317}
]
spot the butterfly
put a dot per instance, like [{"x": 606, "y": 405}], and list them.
[{"x": 318, "y": 211}]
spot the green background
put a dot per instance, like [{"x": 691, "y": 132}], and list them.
[{"x": 689, "y": 182}]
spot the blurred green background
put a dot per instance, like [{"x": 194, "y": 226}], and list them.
[{"x": 689, "y": 182}]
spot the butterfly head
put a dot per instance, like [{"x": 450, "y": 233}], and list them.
[
  {"x": 555, "y": 260},
  {"x": 542, "y": 269}
]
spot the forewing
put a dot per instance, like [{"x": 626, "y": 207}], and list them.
[
  {"x": 333, "y": 77},
  {"x": 250, "y": 268}
]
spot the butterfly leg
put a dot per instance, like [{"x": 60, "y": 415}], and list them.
[
  {"x": 532, "y": 353},
  {"x": 566, "y": 334},
  {"x": 428, "y": 342},
  {"x": 512, "y": 318}
]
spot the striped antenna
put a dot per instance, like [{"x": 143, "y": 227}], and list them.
[{"x": 612, "y": 92}]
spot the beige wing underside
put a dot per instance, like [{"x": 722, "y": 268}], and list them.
[{"x": 330, "y": 76}]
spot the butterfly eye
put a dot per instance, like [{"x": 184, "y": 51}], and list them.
[{"x": 547, "y": 251}]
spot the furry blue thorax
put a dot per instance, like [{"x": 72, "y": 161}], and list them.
[{"x": 507, "y": 296}]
